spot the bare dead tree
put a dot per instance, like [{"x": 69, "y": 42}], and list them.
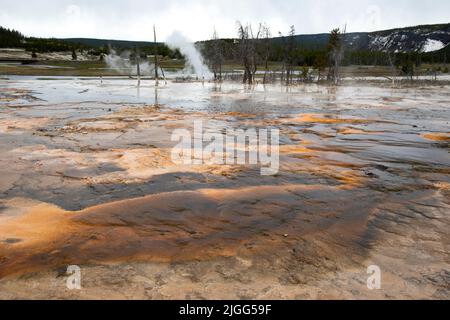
[
  {"x": 336, "y": 53},
  {"x": 290, "y": 55},
  {"x": 156, "y": 55},
  {"x": 283, "y": 69},
  {"x": 320, "y": 64},
  {"x": 138, "y": 65},
  {"x": 266, "y": 50},
  {"x": 393, "y": 68},
  {"x": 254, "y": 48},
  {"x": 216, "y": 56},
  {"x": 246, "y": 50},
  {"x": 289, "y": 47}
]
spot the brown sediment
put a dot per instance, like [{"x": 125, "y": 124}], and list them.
[
  {"x": 122, "y": 120},
  {"x": 392, "y": 99},
  {"x": 322, "y": 135},
  {"x": 13, "y": 94},
  {"x": 7, "y": 99},
  {"x": 177, "y": 226},
  {"x": 329, "y": 119},
  {"x": 96, "y": 125},
  {"x": 131, "y": 164},
  {"x": 348, "y": 179},
  {"x": 347, "y": 174},
  {"x": 294, "y": 149},
  {"x": 442, "y": 185},
  {"x": 349, "y": 131},
  {"x": 240, "y": 114},
  {"x": 22, "y": 124},
  {"x": 15, "y": 91},
  {"x": 344, "y": 178},
  {"x": 437, "y": 136}
]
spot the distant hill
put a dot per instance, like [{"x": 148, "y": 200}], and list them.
[
  {"x": 425, "y": 38},
  {"x": 97, "y": 43}
]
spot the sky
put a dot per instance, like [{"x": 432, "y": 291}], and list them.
[{"x": 197, "y": 19}]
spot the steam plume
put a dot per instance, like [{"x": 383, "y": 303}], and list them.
[{"x": 194, "y": 59}]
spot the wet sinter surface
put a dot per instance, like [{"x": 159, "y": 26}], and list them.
[{"x": 87, "y": 179}]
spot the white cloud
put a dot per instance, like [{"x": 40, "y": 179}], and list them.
[{"x": 134, "y": 19}]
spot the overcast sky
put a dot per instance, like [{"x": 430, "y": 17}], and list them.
[{"x": 133, "y": 19}]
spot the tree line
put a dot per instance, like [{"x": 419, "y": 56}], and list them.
[
  {"x": 14, "y": 39},
  {"x": 10, "y": 38},
  {"x": 255, "y": 49}
]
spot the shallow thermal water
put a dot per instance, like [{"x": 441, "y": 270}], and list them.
[{"x": 87, "y": 179}]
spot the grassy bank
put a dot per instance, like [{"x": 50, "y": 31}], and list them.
[{"x": 100, "y": 68}]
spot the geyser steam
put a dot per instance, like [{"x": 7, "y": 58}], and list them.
[
  {"x": 194, "y": 59},
  {"x": 123, "y": 63}
]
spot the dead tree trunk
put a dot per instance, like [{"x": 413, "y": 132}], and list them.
[
  {"x": 336, "y": 53},
  {"x": 393, "y": 70},
  {"x": 266, "y": 51},
  {"x": 247, "y": 52},
  {"x": 138, "y": 65},
  {"x": 216, "y": 56},
  {"x": 288, "y": 55},
  {"x": 156, "y": 56}
]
